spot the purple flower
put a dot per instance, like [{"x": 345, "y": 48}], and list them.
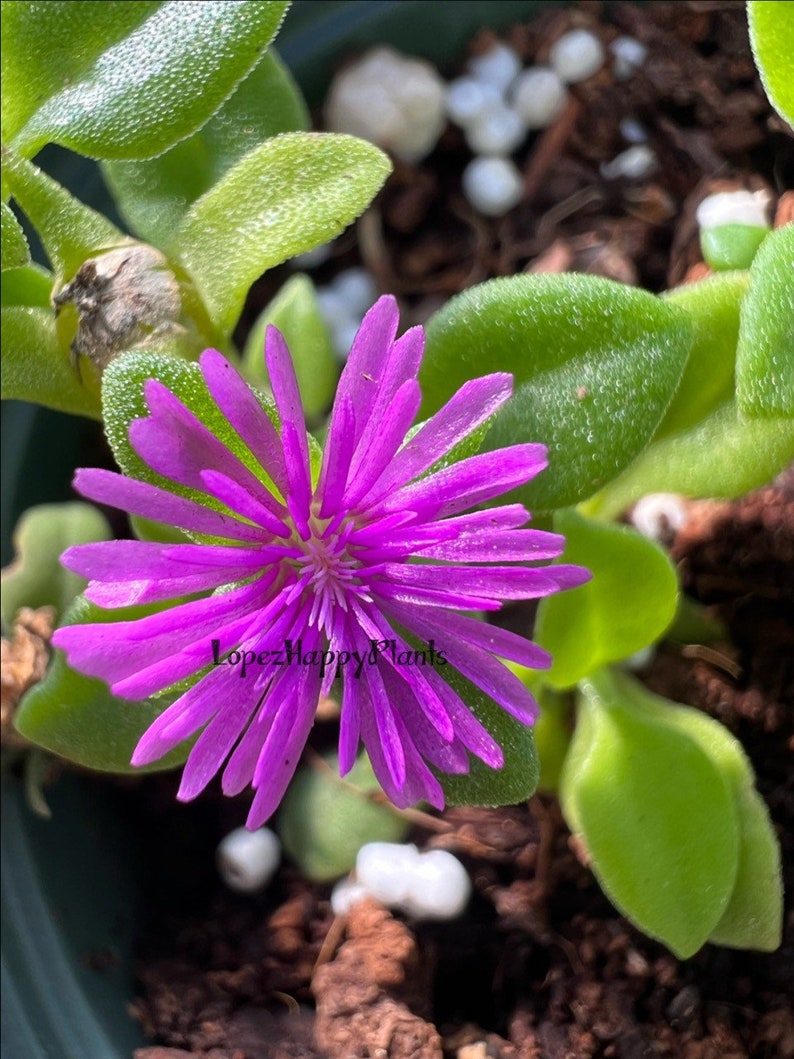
[{"x": 322, "y": 567}]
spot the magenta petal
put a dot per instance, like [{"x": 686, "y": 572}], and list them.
[
  {"x": 236, "y": 400},
  {"x": 362, "y": 373}
]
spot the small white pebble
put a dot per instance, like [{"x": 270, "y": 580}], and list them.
[
  {"x": 632, "y": 164},
  {"x": 466, "y": 98},
  {"x": 640, "y": 659},
  {"x": 345, "y": 894},
  {"x": 391, "y": 100},
  {"x": 385, "y": 870},
  {"x": 577, "y": 55},
  {"x": 539, "y": 96},
  {"x": 628, "y": 55},
  {"x": 658, "y": 514},
  {"x": 633, "y": 131},
  {"x": 247, "y": 860},
  {"x": 356, "y": 288},
  {"x": 312, "y": 258},
  {"x": 440, "y": 887},
  {"x": 492, "y": 185},
  {"x": 498, "y": 130},
  {"x": 734, "y": 207},
  {"x": 498, "y": 67}
]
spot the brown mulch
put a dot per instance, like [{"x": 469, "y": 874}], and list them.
[{"x": 541, "y": 966}]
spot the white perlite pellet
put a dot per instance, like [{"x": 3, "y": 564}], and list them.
[
  {"x": 492, "y": 185},
  {"x": 391, "y": 100},
  {"x": 432, "y": 885},
  {"x": 734, "y": 207},
  {"x": 628, "y": 55},
  {"x": 497, "y": 130},
  {"x": 466, "y": 99},
  {"x": 247, "y": 860},
  {"x": 658, "y": 514},
  {"x": 499, "y": 67},
  {"x": 576, "y": 56},
  {"x": 539, "y": 97},
  {"x": 631, "y": 164}
]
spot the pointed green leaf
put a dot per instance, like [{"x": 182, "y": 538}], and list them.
[
  {"x": 293, "y": 193},
  {"x": 765, "y": 354},
  {"x": 153, "y": 195},
  {"x": 36, "y": 577},
  {"x": 628, "y": 604},
  {"x": 34, "y": 367},
  {"x": 708, "y": 380},
  {"x": 125, "y": 80},
  {"x": 724, "y": 455},
  {"x": 69, "y": 230},
  {"x": 772, "y": 40},
  {"x": 79, "y": 718},
  {"x": 295, "y": 312},
  {"x": 324, "y": 820},
  {"x": 15, "y": 250},
  {"x": 595, "y": 365},
  {"x": 655, "y": 812}
]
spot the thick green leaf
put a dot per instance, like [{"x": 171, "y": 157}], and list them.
[
  {"x": 765, "y": 354},
  {"x": 731, "y": 246},
  {"x": 595, "y": 365},
  {"x": 553, "y": 728},
  {"x": 36, "y": 577},
  {"x": 78, "y": 717},
  {"x": 772, "y": 40},
  {"x": 70, "y": 231},
  {"x": 517, "y": 780},
  {"x": 125, "y": 80},
  {"x": 324, "y": 821},
  {"x": 628, "y": 604},
  {"x": 293, "y": 193},
  {"x": 655, "y": 812},
  {"x": 753, "y": 918},
  {"x": 35, "y": 368},
  {"x": 15, "y": 250},
  {"x": 295, "y": 312},
  {"x": 153, "y": 195},
  {"x": 30, "y": 285},
  {"x": 708, "y": 380},
  {"x": 725, "y": 455}
]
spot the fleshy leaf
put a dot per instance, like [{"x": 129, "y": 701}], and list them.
[
  {"x": 655, "y": 812},
  {"x": 772, "y": 40},
  {"x": 731, "y": 246},
  {"x": 324, "y": 820},
  {"x": 708, "y": 380},
  {"x": 765, "y": 354},
  {"x": 724, "y": 455},
  {"x": 125, "y": 80},
  {"x": 153, "y": 195},
  {"x": 36, "y": 577},
  {"x": 553, "y": 728},
  {"x": 753, "y": 918},
  {"x": 69, "y": 230},
  {"x": 628, "y": 604},
  {"x": 295, "y": 312},
  {"x": 293, "y": 193},
  {"x": 30, "y": 285},
  {"x": 79, "y": 718},
  {"x": 15, "y": 250},
  {"x": 595, "y": 365},
  {"x": 34, "y": 367}
]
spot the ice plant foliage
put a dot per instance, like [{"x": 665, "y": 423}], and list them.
[{"x": 327, "y": 566}]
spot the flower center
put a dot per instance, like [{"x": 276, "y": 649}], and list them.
[{"x": 329, "y": 572}]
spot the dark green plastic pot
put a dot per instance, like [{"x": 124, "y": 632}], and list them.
[{"x": 72, "y": 887}]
